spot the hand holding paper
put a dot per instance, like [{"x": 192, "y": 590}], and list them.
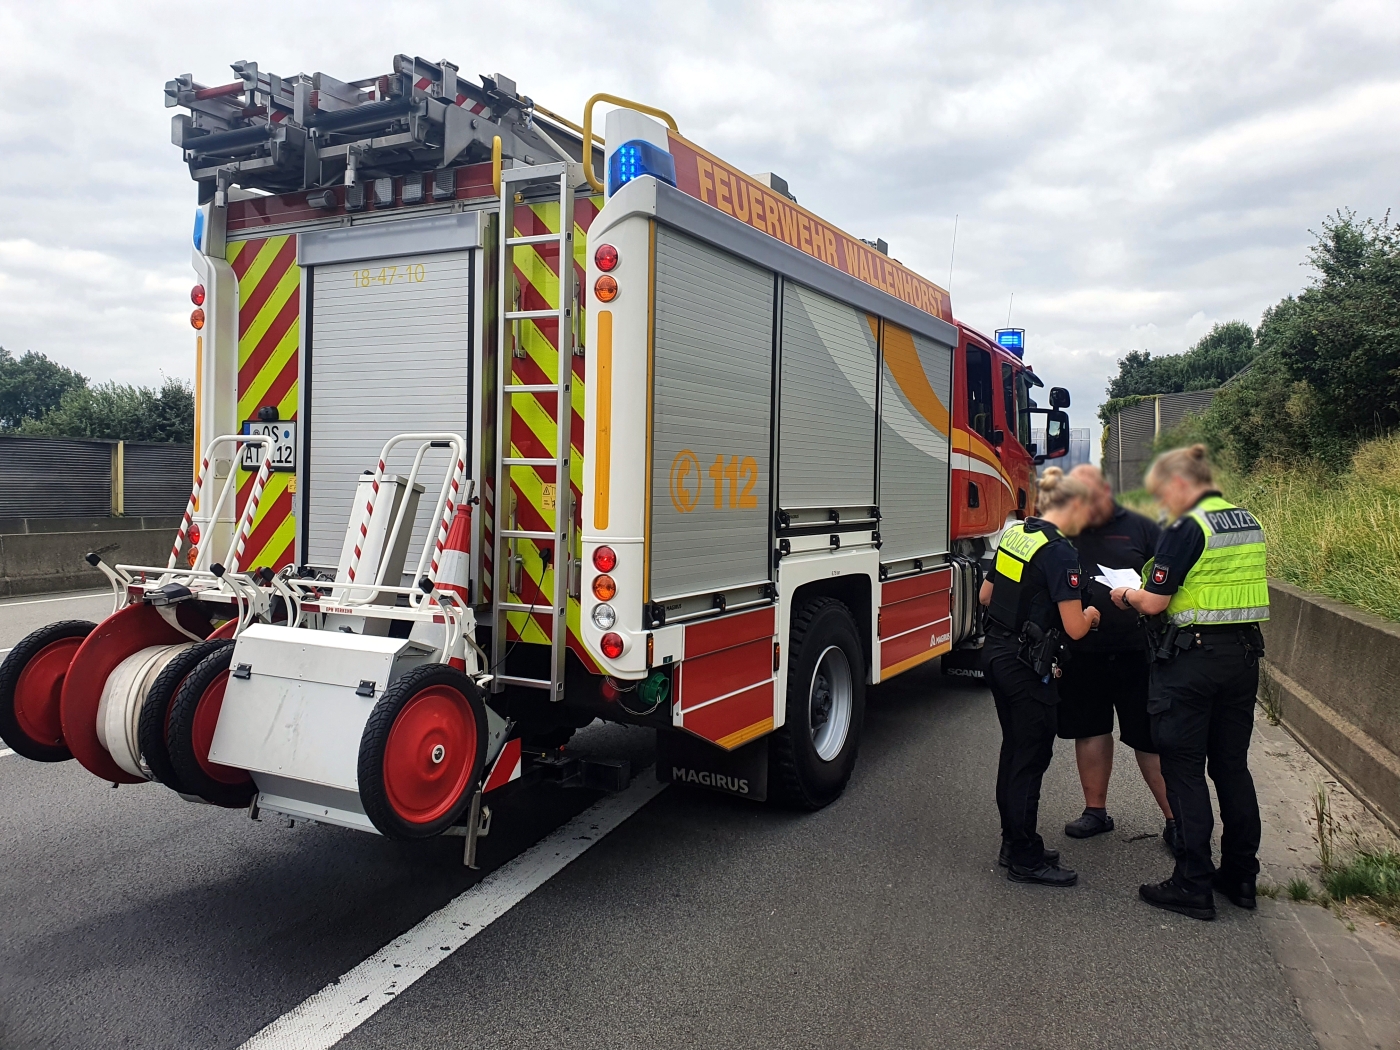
[{"x": 1115, "y": 578}]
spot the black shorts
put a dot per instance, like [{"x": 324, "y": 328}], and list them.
[{"x": 1092, "y": 685}]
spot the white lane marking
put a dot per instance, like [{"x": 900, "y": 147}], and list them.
[
  {"x": 343, "y": 1005},
  {"x": 65, "y": 598},
  {"x": 5, "y": 751},
  {"x": 3, "y": 651}
]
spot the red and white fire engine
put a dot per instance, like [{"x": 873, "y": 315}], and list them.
[{"x": 699, "y": 461}]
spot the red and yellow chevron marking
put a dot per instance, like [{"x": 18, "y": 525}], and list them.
[
  {"x": 269, "y": 332},
  {"x": 534, "y": 418}
]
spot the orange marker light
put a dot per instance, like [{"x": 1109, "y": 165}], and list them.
[
  {"x": 605, "y": 289},
  {"x": 197, "y": 319},
  {"x": 604, "y": 588}
]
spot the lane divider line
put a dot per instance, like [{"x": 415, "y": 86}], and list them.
[
  {"x": 343, "y": 1005},
  {"x": 65, "y": 598},
  {"x": 5, "y": 751}
]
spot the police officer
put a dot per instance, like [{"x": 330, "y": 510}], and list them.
[
  {"x": 1208, "y": 583},
  {"x": 1033, "y": 598}
]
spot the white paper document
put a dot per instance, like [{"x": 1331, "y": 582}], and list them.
[{"x": 1115, "y": 578}]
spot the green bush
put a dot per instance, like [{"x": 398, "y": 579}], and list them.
[{"x": 115, "y": 411}]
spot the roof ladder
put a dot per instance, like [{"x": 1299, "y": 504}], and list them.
[{"x": 542, "y": 183}]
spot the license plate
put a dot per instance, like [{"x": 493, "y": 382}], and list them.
[{"x": 284, "y": 445}]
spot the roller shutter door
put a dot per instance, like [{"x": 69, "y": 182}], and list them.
[
  {"x": 917, "y": 389},
  {"x": 712, "y": 411},
  {"x": 390, "y": 354},
  {"x": 826, "y": 438}
]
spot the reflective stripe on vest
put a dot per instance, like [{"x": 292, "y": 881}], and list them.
[{"x": 1229, "y": 582}]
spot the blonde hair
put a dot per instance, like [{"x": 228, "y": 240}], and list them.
[
  {"x": 1057, "y": 488},
  {"x": 1189, "y": 463}
]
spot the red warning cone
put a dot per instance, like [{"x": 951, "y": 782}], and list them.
[{"x": 454, "y": 570}]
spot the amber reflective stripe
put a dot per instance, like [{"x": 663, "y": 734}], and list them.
[{"x": 602, "y": 433}]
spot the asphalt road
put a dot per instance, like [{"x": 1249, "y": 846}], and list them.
[{"x": 133, "y": 919}]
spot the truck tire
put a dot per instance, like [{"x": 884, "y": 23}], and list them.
[
  {"x": 31, "y": 682},
  {"x": 194, "y": 713},
  {"x": 423, "y": 752},
  {"x": 812, "y": 755},
  {"x": 155, "y": 712}
]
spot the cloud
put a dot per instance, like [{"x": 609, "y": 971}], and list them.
[{"x": 1132, "y": 173}]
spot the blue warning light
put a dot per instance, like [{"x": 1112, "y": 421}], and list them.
[
  {"x": 1012, "y": 339},
  {"x": 636, "y": 158}
]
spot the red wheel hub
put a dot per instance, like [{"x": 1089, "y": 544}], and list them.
[
  {"x": 429, "y": 755},
  {"x": 206, "y": 720},
  {"x": 38, "y": 690}
]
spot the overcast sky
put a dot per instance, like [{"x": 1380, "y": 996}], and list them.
[{"x": 1131, "y": 175}]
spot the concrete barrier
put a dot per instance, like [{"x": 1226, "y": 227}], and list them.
[
  {"x": 1332, "y": 674},
  {"x": 41, "y": 555}
]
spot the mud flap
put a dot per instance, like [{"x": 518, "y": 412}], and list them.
[
  {"x": 964, "y": 663},
  {"x": 685, "y": 759}
]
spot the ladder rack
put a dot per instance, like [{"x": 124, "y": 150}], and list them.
[{"x": 557, "y": 181}]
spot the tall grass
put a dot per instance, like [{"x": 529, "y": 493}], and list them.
[{"x": 1336, "y": 534}]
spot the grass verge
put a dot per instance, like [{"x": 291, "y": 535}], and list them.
[
  {"x": 1369, "y": 878},
  {"x": 1330, "y": 533}
]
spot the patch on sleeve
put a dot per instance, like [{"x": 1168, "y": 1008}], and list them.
[
  {"x": 1073, "y": 575},
  {"x": 1159, "y": 574}
]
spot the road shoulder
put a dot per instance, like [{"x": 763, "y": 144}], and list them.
[{"x": 1341, "y": 965}]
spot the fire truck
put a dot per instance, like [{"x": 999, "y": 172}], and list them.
[{"x": 699, "y": 461}]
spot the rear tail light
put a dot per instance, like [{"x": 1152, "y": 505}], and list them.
[
  {"x": 197, "y": 319},
  {"x": 194, "y": 533},
  {"x": 605, "y": 257},
  {"x": 605, "y": 559},
  {"x": 197, "y": 295},
  {"x": 604, "y": 588},
  {"x": 605, "y": 289},
  {"x": 612, "y": 645}
]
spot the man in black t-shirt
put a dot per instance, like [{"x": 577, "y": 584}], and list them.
[{"x": 1107, "y": 669}]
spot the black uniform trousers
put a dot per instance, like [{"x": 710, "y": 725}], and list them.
[
  {"x": 1026, "y": 709},
  {"x": 1202, "y": 708}
]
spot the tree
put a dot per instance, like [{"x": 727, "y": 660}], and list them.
[
  {"x": 115, "y": 411},
  {"x": 1217, "y": 356},
  {"x": 1327, "y": 375},
  {"x": 31, "y": 386}
]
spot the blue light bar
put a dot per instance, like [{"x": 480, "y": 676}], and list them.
[
  {"x": 636, "y": 158},
  {"x": 199, "y": 229},
  {"x": 1012, "y": 339}
]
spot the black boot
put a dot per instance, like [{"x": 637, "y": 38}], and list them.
[
  {"x": 1239, "y": 892},
  {"x": 1052, "y": 856},
  {"x": 1045, "y": 875},
  {"x": 1171, "y": 897}
]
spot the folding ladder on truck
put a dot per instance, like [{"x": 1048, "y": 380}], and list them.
[{"x": 558, "y": 181}]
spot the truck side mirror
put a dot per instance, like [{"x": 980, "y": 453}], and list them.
[
  {"x": 1059, "y": 397},
  {"x": 1056, "y": 436}
]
